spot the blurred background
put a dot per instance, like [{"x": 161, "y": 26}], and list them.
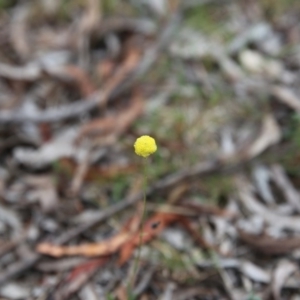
[{"x": 216, "y": 83}]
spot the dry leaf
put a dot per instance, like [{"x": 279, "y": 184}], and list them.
[
  {"x": 282, "y": 272},
  {"x": 151, "y": 229},
  {"x": 107, "y": 247},
  {"x": 91, "y": 17},
  {"x": 95, "y": 172},
  {"x": 207, "y": 210},
  {"x": 270, "y": 135},
  {"x": 77, "y": 278},
  {"x": 85, "y": 267},
  {"x": 44, "y": 191},
  {"x": 122, "y": 293},
  {"x": 105, "y": 68},
  {"x": 269, "y": 245},
  {"x": 254, "y": 206},
  {"x": 287, "y": 96},
  {"x": 85, "y": 85},
  {"x": 289, "y": 191},
  {"x": 58, "y": 147},
  {"x": 262, "y": 177},
  {"x": 113, "y": 125},
  {"x": 29, "y": 72},
  {"x": 14, "y": 291},
  {"x": 12, "y": 219},
  {"x": 195, "y": 234},
  {"x": 254, "y": 272},
  {"x": 19, "y": 31},
  {"x": 104, "y": 248}
]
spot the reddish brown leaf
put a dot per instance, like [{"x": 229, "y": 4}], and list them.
[
  {"x": 45, "y": 132},
  {"x": 85, "y": 84},
  {"x": 86, "y": 267},
  {"x": 151, "y": 229},
  {"x": 120, "y": 75},
  {"x": 90, "y": 250},
  {"x": 78, "y": 277},
  {"x": 104, "y": 248},
  {"x": 105, "y": 68}
]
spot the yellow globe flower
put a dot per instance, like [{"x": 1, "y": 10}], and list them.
[{"x": 145, "y": 145}]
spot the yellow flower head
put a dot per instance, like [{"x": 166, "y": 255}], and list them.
[{"x": 145, "y": 145}]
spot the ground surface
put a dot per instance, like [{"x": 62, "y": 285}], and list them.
[{"x": 216, "y": 83}]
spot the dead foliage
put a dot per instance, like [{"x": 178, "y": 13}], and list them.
[{"x": 216, "y": 83}]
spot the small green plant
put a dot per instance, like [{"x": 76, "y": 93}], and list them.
[
  {"x": 252, "y": 296},
  {"x": 4, "y": 4},
  {"x": 110, "y": 297},
  {"x": 144, "y": 146},
  {"x": 120, "y": 184}
]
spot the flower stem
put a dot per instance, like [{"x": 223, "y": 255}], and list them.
[{"x": 138, "y": 257}]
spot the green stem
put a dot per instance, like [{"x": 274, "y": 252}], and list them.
[{"x": 138, "y": 257}]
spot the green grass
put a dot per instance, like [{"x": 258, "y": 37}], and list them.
[
  {"x": 273, "y": 9},
  {"x": 5, "y": 4},
  {"x": 109, "y": 6},
  {"x": 118, "y": 187},
  {"x": 209, "y": 20},
  {"x": 293, "y": 131},
  {"x": 215, "y": 187},
  {"x": 252, "y": 296}
]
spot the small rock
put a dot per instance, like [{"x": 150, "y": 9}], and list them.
[{"x": 254, "y": 62}]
